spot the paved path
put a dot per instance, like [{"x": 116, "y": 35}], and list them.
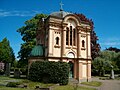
[
  {"x": 110, "y": 85},
  {"x": 106, "y": 84}
]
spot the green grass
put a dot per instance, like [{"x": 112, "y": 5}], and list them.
[
  {"x": 31, "y": 85},
  {"x": 93, "y": 83},
  {"x": 70, "y": 87},
  {"x": 8, "y": 88}
]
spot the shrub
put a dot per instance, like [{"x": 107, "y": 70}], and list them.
[
  {"x": 23, "y": 71},
  {"x": 49, "y": 72},
  {"x": 12, "y": 84},
  {"x": 1, "y": 71}
]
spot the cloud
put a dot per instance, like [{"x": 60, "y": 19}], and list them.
[
  {"x": 4, "y": 13},
  {"x": 110, "y": 42}
]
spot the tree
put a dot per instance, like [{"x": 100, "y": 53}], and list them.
[
  {"x": 28, "y": 33},
  {"x": 104, "y": 62},
  {"x": 117, "y": 60},
  {"x": 6, "y": 52},
  {"x": 95, "y": 46},
  {"x": 113, "y": 49}
]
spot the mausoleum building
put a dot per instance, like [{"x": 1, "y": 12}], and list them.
[{"x": 65, "y": 37}]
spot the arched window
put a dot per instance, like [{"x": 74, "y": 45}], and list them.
[
  {"x": 74, "y": 31},
  {"x": 83, "y": 43},
  {"x": 70, "y": 36},
  {"x": 57, "y": 40},
  {"x": 67, "y": 35}
]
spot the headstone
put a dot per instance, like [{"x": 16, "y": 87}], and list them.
[
  {"x": 17, "y": 73},
  {"x": 7, "y": 69},
  {"x": 112, "y": 73},
  {"x": 2, "y": 65},
  {"x": 2, "y": 68}
]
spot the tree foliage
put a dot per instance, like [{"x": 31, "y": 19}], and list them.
[
  {"x": 104, "y": 62},
  {"x": 113, "y": 49},
  {"x": 95, "y": 46},
  {"x": 49, "y": 72},
  {"x": 6, "y": 52},
  {"x": 28, "y": 33}
]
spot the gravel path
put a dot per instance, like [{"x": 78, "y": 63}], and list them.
[{"x": 110, "y": 85}]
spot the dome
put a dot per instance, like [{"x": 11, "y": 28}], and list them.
[
  {"x": 60, "y": 14},
  {"x": 37, "y": 51}
]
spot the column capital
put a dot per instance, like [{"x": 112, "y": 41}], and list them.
[
  {"x": 83, "y": 28},
  {"x": 64, "y": 25}
]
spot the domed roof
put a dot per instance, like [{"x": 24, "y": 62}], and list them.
[
  {"x": 37, "y": 51},
  {"x": 60, "y": 14}
]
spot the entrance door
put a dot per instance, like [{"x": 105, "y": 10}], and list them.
[
  {"x": 71, "y": 55},
  {"x": 71, "y": 72}
]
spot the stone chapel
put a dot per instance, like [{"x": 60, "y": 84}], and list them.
[{"x": 65, "y": 37}]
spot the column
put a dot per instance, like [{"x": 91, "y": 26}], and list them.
[
  {"x": 50, "y": 45},
  {"x": 79, "y": 71},
  {"x": 89, "y": 70},
  {"x": 78, "y": 43},
  {"x": 75, "y": 69},
  {"x": 63, "y": 42},
  {"x": 89, "y": 47}
]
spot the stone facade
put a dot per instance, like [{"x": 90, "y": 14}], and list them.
[{"x": 66, "y": 38}]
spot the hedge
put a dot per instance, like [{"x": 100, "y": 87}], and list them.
[{"x": 49, "y": 72}]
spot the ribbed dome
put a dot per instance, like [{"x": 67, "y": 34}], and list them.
[
  {"x": 37, "y": 51},
  {"x": 60, "y": 14}
]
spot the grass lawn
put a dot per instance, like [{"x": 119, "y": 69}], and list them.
[
  {"x": 93, "y": 83},
  {"x": 31, "y": 85},
  {"x": 70, "y": 87}
]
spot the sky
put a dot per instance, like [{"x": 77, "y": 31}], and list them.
[{"x": 104, "y": 13}]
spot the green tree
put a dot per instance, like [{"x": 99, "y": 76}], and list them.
[
  {"x": 104, "y": 62},
  {"x": 117, "y": 60},
  {"x": 113, "y": 49},
  {"x": 28, "y": 33},
  {"x": 6, "y": 52}
]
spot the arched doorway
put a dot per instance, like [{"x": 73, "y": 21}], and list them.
[
  {"x": 71, "y": 72},
  {"x": 71, "y": 64}
]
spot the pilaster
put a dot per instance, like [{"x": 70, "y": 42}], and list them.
[{"x": 63, "y": 41}]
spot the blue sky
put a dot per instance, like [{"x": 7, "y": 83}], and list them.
[{"x": 104, "y": 13}]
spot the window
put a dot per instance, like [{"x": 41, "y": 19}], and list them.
[
  {"x": 57, "y": 40},
  {"x": 67, "y": 35},
  {"x": 83, "y": 43},
  {"x": 70, "y": 36},
  {"x": 74, "y": 31}
]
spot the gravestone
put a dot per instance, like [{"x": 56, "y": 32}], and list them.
[
  {"x": 112, "y": 76},
  {"x": 17, "y": 73},
  {"x": 7, "y": 69}
]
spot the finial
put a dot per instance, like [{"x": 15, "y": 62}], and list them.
[{"x": 61, "y": 6}]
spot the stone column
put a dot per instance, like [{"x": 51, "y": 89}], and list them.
[
  {"x": 88, "y": 37},
  {"x": 89, "y": 71},
  {"x": 63, "y": 43},
  {"x": 63, "y": 39},
  {"x": 75, "y": 69},
  {"x": 78, "y": 42},
  {"x": 80, "y": 71},
  {"x": 50, "y": 48}
]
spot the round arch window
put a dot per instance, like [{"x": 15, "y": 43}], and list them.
[{"x": 70, "y": 55}]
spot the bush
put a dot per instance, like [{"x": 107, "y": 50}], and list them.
[
  {"x": 23, "y": 71},
  {"x": 49, "y": 72},
  {"x": 12, "y": 84},
  {"x": 1, "y": 71}
]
